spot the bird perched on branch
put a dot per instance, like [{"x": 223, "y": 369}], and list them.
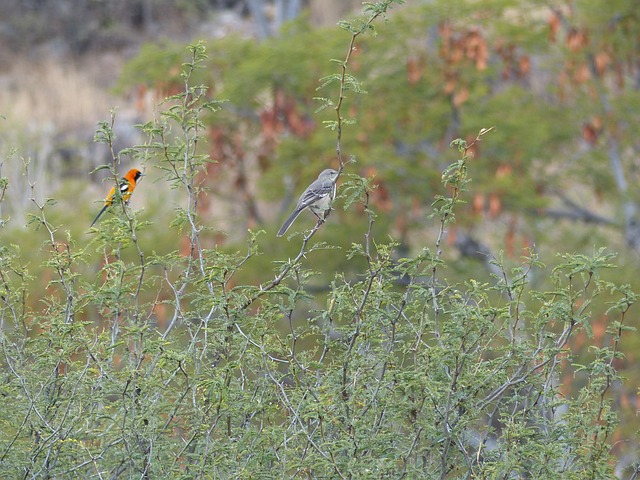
[
  {"x": 127, "y": 186},
  {"x": 317, "y": 198}
]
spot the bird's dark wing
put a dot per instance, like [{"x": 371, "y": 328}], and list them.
[{"x": 315, "y": 192}]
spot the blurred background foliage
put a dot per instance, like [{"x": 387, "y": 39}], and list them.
[{"x": 559, "y": 81}]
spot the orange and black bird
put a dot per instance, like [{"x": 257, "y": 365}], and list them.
[{"x": 127, "y": 186}]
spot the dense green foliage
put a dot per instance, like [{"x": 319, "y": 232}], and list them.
[{"x": 363, "y": 348}]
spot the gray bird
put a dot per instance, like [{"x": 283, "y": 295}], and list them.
[{"x": 317, "y": 197}]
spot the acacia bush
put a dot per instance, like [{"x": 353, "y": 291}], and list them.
[{"x": 391, "y": 371}]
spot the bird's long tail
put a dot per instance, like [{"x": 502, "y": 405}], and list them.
[
  {"x": 100, "y": 213},
  {"x": 287, "y": 223}
]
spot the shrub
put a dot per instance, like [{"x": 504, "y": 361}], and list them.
[{"x": 165, "y": 366}]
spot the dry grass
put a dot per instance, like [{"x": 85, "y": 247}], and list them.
[{"x": 63, "y": 95}]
